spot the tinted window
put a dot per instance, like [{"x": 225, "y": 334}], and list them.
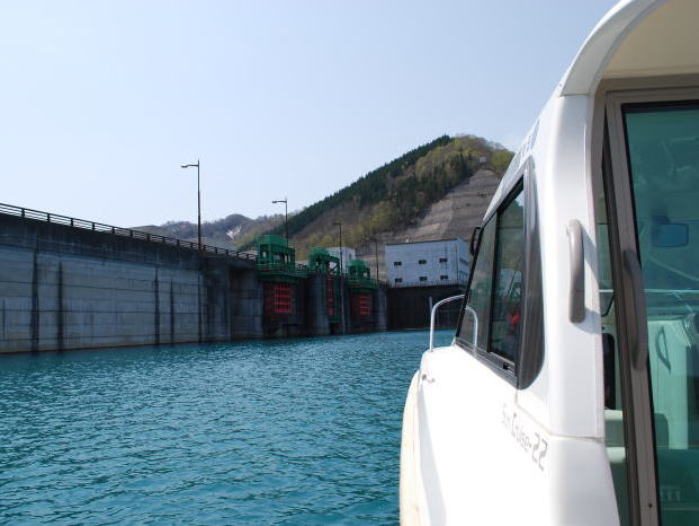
[
  {"x": 663, "y": 153},
  {"x": 507, "y": 293},
  {"x": 476, "y": 317}
]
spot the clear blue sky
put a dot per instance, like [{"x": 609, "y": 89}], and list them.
[{"x": 100, "y": 102}]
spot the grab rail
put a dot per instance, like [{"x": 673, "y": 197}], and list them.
[
  {"x": 470, "y": 309},
  {"x": 576, "y": 305},
  {"x": 434, "y": 313}
]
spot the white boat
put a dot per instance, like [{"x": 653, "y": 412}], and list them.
[{"x": 570, "y": 393}]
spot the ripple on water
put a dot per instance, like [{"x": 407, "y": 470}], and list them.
[{"x": 302, "y": 431}]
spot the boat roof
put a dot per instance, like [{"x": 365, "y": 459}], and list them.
[{"x": 635, "y": 39}]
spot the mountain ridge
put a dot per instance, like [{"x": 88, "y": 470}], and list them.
[{"x": 439, "y": 189}]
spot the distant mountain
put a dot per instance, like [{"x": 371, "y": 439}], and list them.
[
  {"x": 438, "y": 190},
  {"x": 230, "y": 232}
]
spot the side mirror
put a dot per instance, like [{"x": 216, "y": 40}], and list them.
[
  {"x": 670, "y": 235},
  {"x": 475, "y": 237}
]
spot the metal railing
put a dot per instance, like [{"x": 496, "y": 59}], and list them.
[
  {"x": 433, "y": 314},
  {"x": 58, "y": 219},
  {"x": 433, "y": 283}
]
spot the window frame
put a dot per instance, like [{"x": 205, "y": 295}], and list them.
[
  {"x": 532, "y": 350},
  {"x": 644, "y": 503},
  {"x": 507, "y": 369},
  {"x": 515, "y": 192}
]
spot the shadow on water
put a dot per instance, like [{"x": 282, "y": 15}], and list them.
[{"x": 302, "y": 431}]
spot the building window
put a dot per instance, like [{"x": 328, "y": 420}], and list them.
[
  {"x": 444, "y": 278},
  {"x": 397, "y": 263},
  {"x": 442, "y": 260},
  {"x": 423, "y": 278},
  {"x": 463, "y": 261},
  {"x": 399, "y": 280},
  {"x": 422, "y": 262}
]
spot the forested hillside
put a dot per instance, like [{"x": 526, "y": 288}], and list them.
[
  {"x": 386, "y": 203},
  {"x": 395, "y": 196}
]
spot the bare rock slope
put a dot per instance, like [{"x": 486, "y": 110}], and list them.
[{"x": 455, "y": 215}]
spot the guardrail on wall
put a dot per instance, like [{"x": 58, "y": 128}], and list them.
[
  {"x": 440, "y": 283},
  {"x": 59, "y": 219}
]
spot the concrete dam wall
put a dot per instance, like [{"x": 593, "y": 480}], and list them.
[
  {"x": 68, "y": 288},
  {"x": 64, "y": 287}
]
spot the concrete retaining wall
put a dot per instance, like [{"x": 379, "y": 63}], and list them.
[{"x": 66, "y": 288}]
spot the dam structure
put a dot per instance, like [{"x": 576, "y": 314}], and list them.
[{"x": 68, "y": 283}]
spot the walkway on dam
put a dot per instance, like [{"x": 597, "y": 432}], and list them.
[{"x": 58, "y": 219}]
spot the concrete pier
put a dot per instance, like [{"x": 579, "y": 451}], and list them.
[{"x": 317, "y": 311}]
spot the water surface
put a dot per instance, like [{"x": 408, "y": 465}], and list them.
[{"x": 303, "y": 431}]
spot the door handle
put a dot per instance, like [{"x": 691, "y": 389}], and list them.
[{"x": 576, "y": 306}]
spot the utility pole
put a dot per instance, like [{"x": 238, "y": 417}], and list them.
[
  {"x": 198, "y": 199},
  {"x": 376, "y": 258},
  {"x": 342, "y": 284},
  {"x": 286, "y": 218},
  {"x": 339, "y": 224}
]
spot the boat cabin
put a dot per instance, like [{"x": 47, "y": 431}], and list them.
[{"x": 570, "y": 393}]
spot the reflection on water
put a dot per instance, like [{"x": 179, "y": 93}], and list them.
[{"x": 302, "y": 431}]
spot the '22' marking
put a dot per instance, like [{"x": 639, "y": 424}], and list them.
[{"x": 537, "y": 459}]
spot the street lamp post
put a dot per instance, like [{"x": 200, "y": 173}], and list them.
[
  {"x": 339, "y": 224},
  {"x": 198, "y": 199},
  {"x": 286, "y": 218},
  {"x": 342, "y": 285},
  {"x": 376, "y": 257}
]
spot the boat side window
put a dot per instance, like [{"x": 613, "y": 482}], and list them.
[
  {"x": 473, "y": 330},
  {"x": 506, "y": 326},
  {"x": 493, "y": 311}
]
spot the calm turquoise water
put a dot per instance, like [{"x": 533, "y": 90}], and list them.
[{"x": 300, "y": 432}]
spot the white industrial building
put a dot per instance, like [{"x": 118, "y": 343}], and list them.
[{"x": 441, "y": 262}]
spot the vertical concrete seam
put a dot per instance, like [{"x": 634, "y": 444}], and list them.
[
  {"x": 4, "y": 322},
  {"x": 156, "y": 313},
  {"x": 172, "y": 313},
  {"x": 60, "y": 336},
  {"x": 199, "y": 299},
  {"x": 34, "y": 319}
]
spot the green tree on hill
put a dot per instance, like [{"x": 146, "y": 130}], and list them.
[{"x": 398, "y": 192}]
